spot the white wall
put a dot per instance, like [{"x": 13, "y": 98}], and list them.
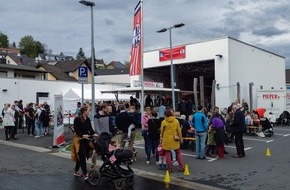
[
  {"x": 26, "y": 89},
  {"x": 122, "y": 79},
  {"x": 251, "y": 64}
]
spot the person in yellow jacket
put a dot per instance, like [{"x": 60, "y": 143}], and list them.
[{"x": 170, "y": 139}]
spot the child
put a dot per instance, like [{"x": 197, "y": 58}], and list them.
[
  {"x": 112, "y": 148},
  {"x": 272, "y": 118},
  {"x": 131, "y": 112},
  {"x": 211, "y": 144},
  {"x": 248, "y": 119},
  {"x": 162, "y": 158},
  {"x": 118, "y": 153}
]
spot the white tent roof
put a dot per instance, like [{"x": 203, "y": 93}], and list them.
[
  {"x": 137, "y": 89},
  {"x": 70, "y": 94},
  {"x": 100, "y": 96}
]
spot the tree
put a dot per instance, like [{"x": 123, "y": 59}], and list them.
[
  {"x": 30, "y": 47},
  {"x": 4, "y": 42},
  {"x": 81, "y": 54},
  {"x": 39, "y": 47},
  {"x": 27, "y": 46}
]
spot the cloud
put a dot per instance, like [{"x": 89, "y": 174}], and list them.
[
  {"x": 268, "y": 31},
  {"x": 65, "y": 26}
]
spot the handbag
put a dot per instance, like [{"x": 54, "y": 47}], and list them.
[{"x": 176, "y": 137}]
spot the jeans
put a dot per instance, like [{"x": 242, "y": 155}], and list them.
[
  {"x": 200, "y": 144},
  {"x": 30, "y": 125},
  {"x": 147, "y": 143},
  {"x": 39, "y": 128}
]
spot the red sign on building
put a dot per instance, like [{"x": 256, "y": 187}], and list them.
[
  {"x": 177, "y": 53},
  {"x": 271, "y": 96}
]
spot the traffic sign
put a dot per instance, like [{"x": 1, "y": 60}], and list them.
[{"x": 83, "y": 74}]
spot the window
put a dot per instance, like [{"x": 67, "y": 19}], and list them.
[{"x": 3, "y": 73}]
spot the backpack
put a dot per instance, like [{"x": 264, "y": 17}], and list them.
[{"x": 42, "y": 116}]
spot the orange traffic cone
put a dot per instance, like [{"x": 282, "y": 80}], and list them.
[
  {"x": 167, "y": 177},
  {"x": 186, "y": 170},
  {"x": 268, "y": 153}
]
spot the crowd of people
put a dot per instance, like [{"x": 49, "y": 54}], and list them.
[
  {"x": 162, "y": 129},
  {"x": 35, "y": 116}
]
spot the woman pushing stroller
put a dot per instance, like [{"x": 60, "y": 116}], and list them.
[{"x": 82, "y": 146}]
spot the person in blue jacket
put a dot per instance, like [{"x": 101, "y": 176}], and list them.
[{"x": 200, "y": 124}]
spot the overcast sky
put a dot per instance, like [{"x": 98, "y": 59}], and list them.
[{"x": 64, "y": 25}]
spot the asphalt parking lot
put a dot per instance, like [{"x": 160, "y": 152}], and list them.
[{"x": 255, "y": 171}]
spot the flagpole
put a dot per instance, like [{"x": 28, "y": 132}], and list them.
[{"x": 142, "y": 58}]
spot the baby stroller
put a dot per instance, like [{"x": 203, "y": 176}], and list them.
[
  {"x": 117, "y": 169},
  {"x": 284, "y": 118},
  {"x": 267, "y": 128}
]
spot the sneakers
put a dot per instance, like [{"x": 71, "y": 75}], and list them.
[
  {"x": 37, "y": 136},
  {"x": 174, "y": 163},
  {"x": 127, "y": 139},
  {"x": 77, "y": 174},
  {"x": 147, "y": 162},
  {"x": 86, "y": 177}
]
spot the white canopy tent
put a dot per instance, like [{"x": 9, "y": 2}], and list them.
[
  {"x": 101, "y": 96},
  {"x": 70, "y": 99}
]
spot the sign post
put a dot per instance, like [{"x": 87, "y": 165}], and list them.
[{"x": 83, "y": 79}]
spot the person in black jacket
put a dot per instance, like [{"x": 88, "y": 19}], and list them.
[
  {"x": 83, "y": 129},
  {"x": 238, "y": 129},
  {"x": 123, "y": 121},
  {"x": 154, "y": 125}
]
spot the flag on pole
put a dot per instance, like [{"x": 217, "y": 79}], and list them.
[{"x": 135, "y": 58}]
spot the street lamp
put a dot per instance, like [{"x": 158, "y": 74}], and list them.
[
  {"x": 171, "y": 61},
  {"x": 91, "y": 4}
]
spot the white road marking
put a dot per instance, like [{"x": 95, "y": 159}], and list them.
[
  {"x": 261, "y": 140},
  {"x": 275, "y": 129},
  {"x": 284, "y": 135},
  {"x": 248, "y": 148},
  {"x": 230, "y": 147}
]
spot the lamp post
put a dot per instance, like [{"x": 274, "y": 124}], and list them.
[
  {"x": 91, "y": 4},
  {"x": 171, "y": 60}
]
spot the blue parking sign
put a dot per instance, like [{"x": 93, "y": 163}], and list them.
[{"x": 83, "y": 74}]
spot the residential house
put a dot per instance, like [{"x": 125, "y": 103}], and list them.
[
  {"x": 64, "y": 70},
  {"x": 99, "y": 63},
  {"x": 54, "y": 72},
  {"x": 14, "y": 51},
  {"x": 113, "y": 76},
  {"x": 21, "y": 71},
  {"x": 116, "y": 65},
  {"x": 12, "y": 59}
]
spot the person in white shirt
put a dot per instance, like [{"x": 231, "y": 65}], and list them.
[
  {"x": 272, "y": 118},
  {"x": 8, "y": 121}
]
